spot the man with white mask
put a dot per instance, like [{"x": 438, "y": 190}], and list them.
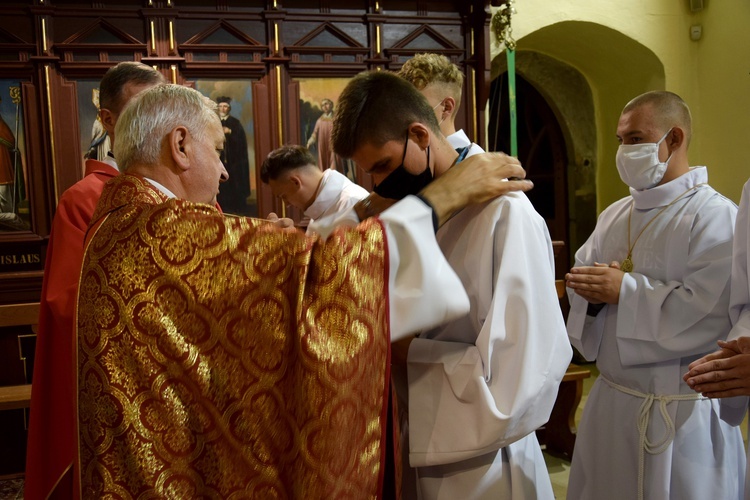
[{"x": 649, "y": 294}]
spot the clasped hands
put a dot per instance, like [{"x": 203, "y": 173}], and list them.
[
  {"x": 598, "y": 284},
  {"x": 724, "y": 373}
]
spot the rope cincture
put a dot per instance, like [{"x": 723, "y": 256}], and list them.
[{"x": 644, "y": 415}]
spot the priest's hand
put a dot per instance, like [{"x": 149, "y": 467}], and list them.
[
  {"x": 598, "y": 284},
  {"x": 284, "y": 223},
  {"x": 476, "y": 179},
  {"x": 724, "y": 373},
  {"x": 372, "y": 206}
]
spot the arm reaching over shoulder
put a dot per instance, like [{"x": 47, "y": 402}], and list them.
[{"x": 475, "y": 180}]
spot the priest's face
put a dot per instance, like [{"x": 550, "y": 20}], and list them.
[{"x": 207, "y": 170}]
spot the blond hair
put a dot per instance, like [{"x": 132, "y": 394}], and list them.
[{"x": 436, "y": 70}]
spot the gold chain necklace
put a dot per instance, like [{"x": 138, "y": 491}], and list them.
[{"x": 627, "y": 264}]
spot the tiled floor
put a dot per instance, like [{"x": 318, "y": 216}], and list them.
[{"x": 11, "y": 488}]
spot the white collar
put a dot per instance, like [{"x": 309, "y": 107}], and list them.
[
  {"x": 458, "y": 139},
  {"x": 659, "y": 196},
  {"x": 161, "y": 188},
  {"x": 330, "y": 187}
]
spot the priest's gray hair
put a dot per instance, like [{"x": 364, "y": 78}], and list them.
[{"x": 144, "y": 123}]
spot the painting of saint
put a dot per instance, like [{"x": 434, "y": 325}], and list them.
[
  {"x": 238, "y": 195},
  {"x": 14, "y": 203}
]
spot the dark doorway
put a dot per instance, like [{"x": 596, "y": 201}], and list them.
[{"x": 542, "y": 151}]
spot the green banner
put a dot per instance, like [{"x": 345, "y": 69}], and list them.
[{"x": 512, "y": 102}]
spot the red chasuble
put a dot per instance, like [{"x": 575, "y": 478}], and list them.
[
  {"x": 52, "y": 433},
  {"x": 221, "y": 356}
]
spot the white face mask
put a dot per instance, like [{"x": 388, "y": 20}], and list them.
[{"x": 639, "y": 165}]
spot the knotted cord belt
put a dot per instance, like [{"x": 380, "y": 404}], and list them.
[{"x": 644, "y": 415}]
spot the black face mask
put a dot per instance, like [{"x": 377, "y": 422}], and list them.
[{"x": 400, "y": 183}]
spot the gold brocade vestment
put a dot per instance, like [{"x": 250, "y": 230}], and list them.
[{"x": 221, "y": 357}]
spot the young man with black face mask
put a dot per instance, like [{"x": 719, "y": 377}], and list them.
[
  {"x": 650, "y": 294},
  {"x": 477, "y": 387}
]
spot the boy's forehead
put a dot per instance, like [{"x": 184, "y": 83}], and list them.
[
  {"x": 374, "y": 158},
  {"x": 369, "y": 152}
]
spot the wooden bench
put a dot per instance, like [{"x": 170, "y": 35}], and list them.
[
  {"x": 17, "y": 396},
  {"x": 559, "y": 434}
]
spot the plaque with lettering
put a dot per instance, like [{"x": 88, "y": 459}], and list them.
[{"x": 21, "y": 256}]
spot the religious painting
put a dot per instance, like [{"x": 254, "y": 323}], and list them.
[
  {"x": 15, "y": 212},
  {"x": 238, "y": 195},
  {"x": 317, "y": 104},
  {"x": 94, "y": 139}
]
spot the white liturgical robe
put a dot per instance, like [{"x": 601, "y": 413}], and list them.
[
  {"x": 672, "y": 309},
  {"x": 336, "y": 193},
  {"x": 733, "y": 410},
  {"x": 423, "y": 290},
  {"x": 479, "y": 386},
  {"x": 459, "y": 139},
  {"x": 739, "y": 302}
]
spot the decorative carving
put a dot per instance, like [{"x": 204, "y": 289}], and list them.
[
  {"x": 424, "y": 39},
  {"x": 501, "y": 25}
]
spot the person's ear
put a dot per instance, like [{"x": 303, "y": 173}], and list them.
[
  {"x": 178, "y": 141},
  {"x": 420, "y": 133},
  {"x": 675, "y": 139},
  {"x": 449, "y": 107},
  {"x": 296, "y": 181},
  {"x": 108, "y": 119}
]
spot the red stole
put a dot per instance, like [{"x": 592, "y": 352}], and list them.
[{"x": 52, "y": 434}]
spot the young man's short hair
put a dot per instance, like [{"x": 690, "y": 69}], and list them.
[
  {"x": 377, "y": 107},
  {"x": 433, "y": 69},
  {"x": 283, "y": 160},
  {"x": 669, "y": 110}
]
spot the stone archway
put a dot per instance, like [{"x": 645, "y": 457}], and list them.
[
  {"x": 542, "y": 151},
  {"x": 562, "y": 108},
  {"x": 586, "y": 73}
]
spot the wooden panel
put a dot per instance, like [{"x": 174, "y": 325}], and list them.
[
  {"x": 264, "y": 140},
  {"x": 53, "y": 45},
  {"x": 19, "y": 314},
  {"x": 65, "y": 133},
  {"x": 15, "y": 397},
  {"x": 15, "y": 387}
]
